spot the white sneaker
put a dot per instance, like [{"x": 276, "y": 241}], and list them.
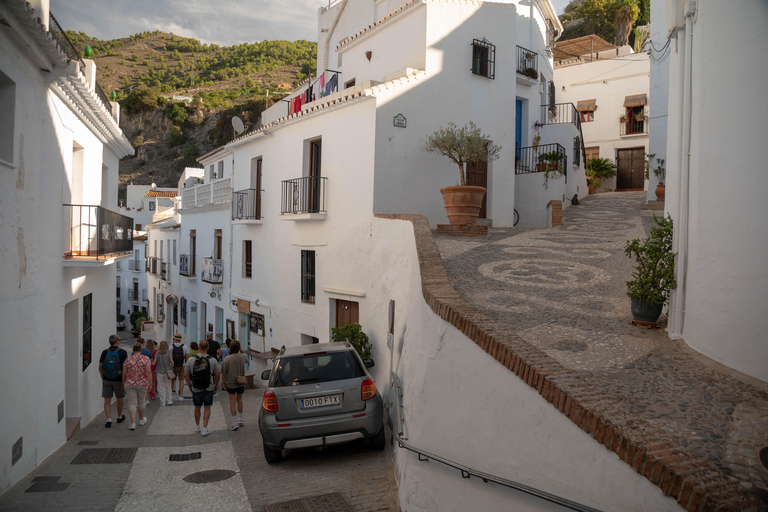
[
  {"x": 240, "y": 423},
  {"x": 162, "y": 404},
  {"x": 181, "y": 398},
  {"x": 235, "y": 427},
  {"x": 132, "y": 426},
  {"x": 197, "y": 428},
  {"x": 170, "y": 402},
  {"x": 142, "y": 421},
  {"x": 205, "y": 432}
]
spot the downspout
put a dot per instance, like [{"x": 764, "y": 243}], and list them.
[
  {"x": 326, "y": 43},
  {"x": 677, "y": 322}
]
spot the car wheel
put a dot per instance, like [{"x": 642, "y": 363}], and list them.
[
  {"x": 271, "y": 454},
  {"x": 378, "y": 441}
]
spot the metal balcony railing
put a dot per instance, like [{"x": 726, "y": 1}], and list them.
[
  {"x": 565, "y": 113},
  {"x": 546, "y": 157},
  {"x": 246, "y": 204},
  {"x": 527, "y": 63},
  {"x": 134, "y": 265},
  {"x": 154, "y": 266},
  {"x": 97, "y": 232},
  {"x": 118, "y": 293},
  {"x": 211, "y": 270},
  {"x": 164, "y": 270},
  {"x": 186, "y": 265},
  {"x": 133, "y": 295},
  {"x": 303, "y": 195},
  {"x": 144, "y": 297},
  {"x": 633, "y": 126}
]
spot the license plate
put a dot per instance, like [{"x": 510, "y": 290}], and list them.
[{"x": 319, "y": 401}]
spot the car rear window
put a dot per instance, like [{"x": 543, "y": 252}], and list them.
[{"x": 306, "y": 369}]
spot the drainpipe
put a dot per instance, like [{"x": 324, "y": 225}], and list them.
[
  {"x": 326, "y": 43},
  {"x": 677, "y": 320}
]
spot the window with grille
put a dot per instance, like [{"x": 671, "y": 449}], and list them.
[
  {"x": 175, "y": 315},
  {"x": 183, "y": 304},
  {"x": 308, "y": 276},
  {"x": 483, "y": 58},
  {"x": 247, "y": 255},
  {"x": 576, "y": 151}
]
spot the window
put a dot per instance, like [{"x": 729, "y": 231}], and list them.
[
  {"x": 8, "y": 108},
  {"x": 552, "y": 99},
  {"x": 176, "y": 315},
  {"x": 217, "y": 244},
  {"x": 192, "y": 251},
  {"x": 483, "y": 58},
  {"x": 213, "y": 174},
  {"x": 550, "y": 34},
  {"x": 220, "y": 174},
  {"x": 151, "y": 206},
  {"x": 138, "y": 227},
  {"x": 349, "y": 84},
  {"x": 577, "y": 151},
  {"x": 593, "y": 152},
  {"x": 174, "y": 251},
  {"x": 183, "y": 304},
  {"x": 247, "y": 259},
  {"x": 308, "y": 277},
  {"x": 87, "y": 323},
  {"x": 587, "y": 117}
]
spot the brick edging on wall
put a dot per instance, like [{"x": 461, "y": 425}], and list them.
[{"x": 693, "y": 481}]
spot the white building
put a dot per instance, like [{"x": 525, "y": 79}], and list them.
[
  {"x": 716, "y": 180},
  {"x": 60, "y": 144},
  {"x": 610, "y": 91}
]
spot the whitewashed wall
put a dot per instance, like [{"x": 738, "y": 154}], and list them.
[
  {"x": 659, "y": 90},
  {"x": 719, "y": 308}
]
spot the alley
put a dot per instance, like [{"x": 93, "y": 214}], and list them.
[
  {"x": 563, "y": 290},
  {"x": 225, "y": 470}
]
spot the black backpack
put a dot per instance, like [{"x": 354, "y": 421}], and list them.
[
  {"x": 178, "y": 355},
  {"x": 201, "y": 372},
  {"x": 111, "y": 366}
]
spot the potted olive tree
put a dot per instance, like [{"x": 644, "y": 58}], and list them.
[
  {"x": 462, "y": 145},
  {"x": 654, "y": 274},
  {"x": 597, "y": 169},
  {"x": 120, "y": 321},
  {"x": 660, "y": 171}
]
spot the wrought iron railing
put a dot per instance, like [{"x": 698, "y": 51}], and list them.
[
  {"x": 246, "y": 204},
  {"x": 564, "y": 113},
  {"x": 633, "y": 126},
  {"x": 97, "y": 232},
  {"x": 144, "y": 297},
  {"x": 211, "y": 270},
  {"x": 164, "y": 270},
  {"x": 118, "y": 292},
  {"x": 134, "y": 265},
  {"x": 303, "y": 195},
  {"x": 527, "y": 63},
  {"x": 186, "y": 265},
  {"x": 153, "y": 266},
  {"x": 543, "y": 158},
  {"x": 133, "y": 295}
]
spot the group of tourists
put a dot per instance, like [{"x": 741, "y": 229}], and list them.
[{"x": 151, "y": 371}]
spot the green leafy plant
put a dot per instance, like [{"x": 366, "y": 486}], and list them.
[
  {"x": 177, "y": 136},
  {"x": 354, "y": 334},
  {"x": 462, "y": 145},
  {"x": 654, "y": 274},
  {"x": 553, "y": 163},
  {"x": 598, "y": 168},
  {"x": 138, "y": 141},
  {"x": 136, "y": 318},
  {"x": 660, "y": 171}
]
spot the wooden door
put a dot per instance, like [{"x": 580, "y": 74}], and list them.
[
  {"x": 347, "y": 312},
  {"x": 477, "y": 175},
  {"x": 631, "y": 169},
  {"x": 315, "y": 160}
]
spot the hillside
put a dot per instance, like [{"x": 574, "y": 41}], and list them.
[{"x": 179, "y": 95}]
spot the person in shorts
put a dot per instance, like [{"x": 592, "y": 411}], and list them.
[
  {"x": 179, "y": 356},
  {"x": 112, "y": 383},
  {"x": 232, "y": 368},
  {"x": 202, "y": 396}
]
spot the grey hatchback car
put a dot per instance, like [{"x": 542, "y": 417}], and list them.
[{"x": 319, "y": 395}]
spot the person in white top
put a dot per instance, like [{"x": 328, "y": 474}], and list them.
[{"x": 179, "y": 356}]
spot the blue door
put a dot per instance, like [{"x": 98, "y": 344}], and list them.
[{"x": 518, "y": 126}]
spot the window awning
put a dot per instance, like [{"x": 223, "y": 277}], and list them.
[
  {"x": 638, "y": 100},
  {"x": 586, "y": 106}
]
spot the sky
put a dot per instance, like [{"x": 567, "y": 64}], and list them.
[{"x": 220, "y": 22}]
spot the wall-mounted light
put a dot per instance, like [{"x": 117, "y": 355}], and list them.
[{"x": 368, "y": 55}]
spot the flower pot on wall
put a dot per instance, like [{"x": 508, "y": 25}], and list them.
[
  {"x": 661, "y": 191},
  {"x": 463, "y": 203},
  {"x": 645, "y": 312}
]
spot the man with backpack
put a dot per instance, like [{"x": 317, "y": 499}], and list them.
[
  {"x": 214, "y": 347},
  {"x": 202, "y": 376},
  {"x": 179, "y": 356},
  {"x": 111, "y": 370}
]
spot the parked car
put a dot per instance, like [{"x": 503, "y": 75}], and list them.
[{"x": 319, "y": 395}]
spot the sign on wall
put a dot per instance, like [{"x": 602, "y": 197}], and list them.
[
  {"x": 257, "y": 324},
  {"x": 243, "y": 306},
  {"x": 400, "y": 121}
]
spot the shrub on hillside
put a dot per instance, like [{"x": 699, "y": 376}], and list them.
[
  {"x": 142, "y": 99},
  {"x": 191, "y": 154},
  {"x": 177, "y": 113},
  {"x": 138, "y": 141},
  {"x": 177, "y": 136}
]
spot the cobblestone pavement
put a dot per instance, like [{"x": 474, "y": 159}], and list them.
[
  {"x": 152, "y": 481},
  {"x": 563, "y": 290}
]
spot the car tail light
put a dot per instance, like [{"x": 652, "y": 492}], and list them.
[
  {"x": 368, "y": 389},
  {"x": 269, "y": 402}
]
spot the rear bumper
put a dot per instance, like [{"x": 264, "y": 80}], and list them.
[{"x": 322, "y": 430}]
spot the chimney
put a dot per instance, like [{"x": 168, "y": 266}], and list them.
[
  {"x": 90, "y": 73},
  {"x": 42, "y": 10}
]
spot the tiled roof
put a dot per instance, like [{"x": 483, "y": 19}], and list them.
[{"x": 162, "y": 193}]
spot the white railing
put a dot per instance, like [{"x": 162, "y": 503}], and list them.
[{"x": 216, "y": 192}]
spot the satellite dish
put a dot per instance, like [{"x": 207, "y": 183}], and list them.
[{"x": 238, "y": 125}]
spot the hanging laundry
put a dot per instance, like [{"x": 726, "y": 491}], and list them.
[
  {"x": 322, "y": 80},
  {"x": 332, "y": 85}
]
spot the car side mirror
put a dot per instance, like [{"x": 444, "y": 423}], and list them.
[
  {"x": 369, "y": 363},
  {"x": 265, "y": 374}
]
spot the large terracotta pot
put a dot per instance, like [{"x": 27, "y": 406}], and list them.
[
  {"x": 591, "y": 189},
  {"x": 661, "y": 191},
  {"x": 463, "y": 203}
]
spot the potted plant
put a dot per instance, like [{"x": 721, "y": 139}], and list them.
[
  {"x": 654, "y": 274},
  {"x": 531, "y": 73},
  {"x": 550, "y": 163},
  {"x": 120, "y": 321},
  {"x": 660, "y": 171},
  {"x": 136, "y": 318},
  {"x": 623, "y": 118},
  {"x": 537, "y": 139},
  {"x": 597, "y": 169},
  {"x": 640, "y": 116},
  {"x": 462, "y": 145},
  {"x": 353, "y": 333}
]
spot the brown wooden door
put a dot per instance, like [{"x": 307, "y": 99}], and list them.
[
  {"x": 631, "y": 169},
  {"x": 315, "y": 162},
  {"x": 347, "y": 312},
  {"x": 477, "y": 175}
]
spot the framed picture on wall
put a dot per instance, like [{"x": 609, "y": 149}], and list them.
[
  {"x": 257, "y": 324},
  {"x": 231, "y": 329}
]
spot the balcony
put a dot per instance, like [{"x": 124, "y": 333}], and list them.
[
  {"x": 211, "y": 270},
  {"x": 154, "y": 266},
  {"x": 134, "y": 265},
  {"x": 186, "y": 265},
  {"x": 133, "y": 295},
  {"x": 303, "y": 198},
  {"x": 246, "y": 205},
  {"x": 215, "y": 193},
  {"x": 527, "y": 63},
  {"x": 543, "y": 158},
  {"x": 164, "y": 270},
  {"x": 633, "y": 126},
  {"x": 96, "y": 233},
  {"x": 118, "y": 293},
  {"x": 144, "y": 297}
]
